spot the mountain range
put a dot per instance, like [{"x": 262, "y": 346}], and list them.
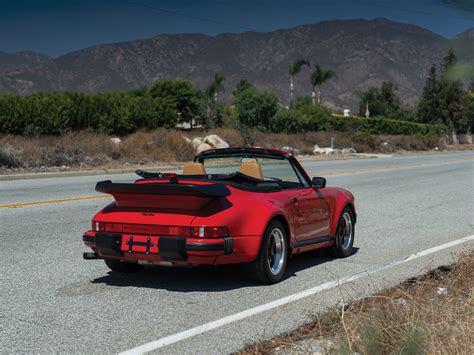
[{"x": 363, "y": 53}]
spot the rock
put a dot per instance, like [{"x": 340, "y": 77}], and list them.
[
  {"x": 202, "y": 147},
  {"x": 348, "y": 150},
  {"x": 291, "y": 150},
  {"x": 441, "y": 291},
  {"x": 327, "y": 151},
  {"x": 187, "y": 140},
  {"x": 401, "y": 301},
  {"x": 116, "y": 140},
  {"x": 197, "y": 141},
  {"x": 215, "y": 141},
  {"x": 318, "y": 150}
]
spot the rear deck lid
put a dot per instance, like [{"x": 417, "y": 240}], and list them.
[{"x": 159, "y": 194}]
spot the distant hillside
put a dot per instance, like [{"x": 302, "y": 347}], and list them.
[
  {"x": 363, "y": 53},
  {"x": 22, "y": 60},
  {"x": 469, "y": 34}
]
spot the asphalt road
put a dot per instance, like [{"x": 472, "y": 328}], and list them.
[{"x": 52, "y": 300}]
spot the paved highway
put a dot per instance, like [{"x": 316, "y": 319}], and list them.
[{"x": 52, "y": 300}]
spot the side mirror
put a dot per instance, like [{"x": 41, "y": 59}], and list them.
[{"x": 318, "y": 182}]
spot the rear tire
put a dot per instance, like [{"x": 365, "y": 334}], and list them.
[
  {"x": 270, "y": 265},
  {"x": 345, "y": 233},
  {"x": 121, "y": 266}
]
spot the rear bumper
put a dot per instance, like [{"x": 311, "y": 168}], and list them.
[{"x": 180, "y": 250}]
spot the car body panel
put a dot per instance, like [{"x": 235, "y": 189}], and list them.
[{"x": 143, "y": 214}]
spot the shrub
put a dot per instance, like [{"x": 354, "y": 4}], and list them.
[
  {"x": 286, "y": 121},
  {"x": 255, "y": 108},
  {"x": 10, "y": 157}
]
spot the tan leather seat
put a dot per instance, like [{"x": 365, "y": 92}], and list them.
[
  {"x": 251, "y": 168},
  {"x": 194, "y": 169}
]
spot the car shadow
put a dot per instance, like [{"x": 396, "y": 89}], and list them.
[{"x": 206, "y": 278}]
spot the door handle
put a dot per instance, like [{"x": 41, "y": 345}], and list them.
[{"x": 294, "y": 200}]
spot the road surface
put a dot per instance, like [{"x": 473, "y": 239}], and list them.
[{"x": 52, "y": 300}]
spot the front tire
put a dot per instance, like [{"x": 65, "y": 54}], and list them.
[
  {"x": 345, "y": 233},
  {"x": 121, "y": 266},
  {"x": 270, "y": 265}
]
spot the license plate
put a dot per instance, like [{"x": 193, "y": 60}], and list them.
[{"x": 139, "y": 244}]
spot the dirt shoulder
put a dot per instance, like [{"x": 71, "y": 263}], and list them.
[
  {"x": 82, "y": 153},
  {"x": 431, "y": 314}
]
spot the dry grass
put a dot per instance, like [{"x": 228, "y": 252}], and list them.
[
  {"x": 79, "y": 150},
  {"x": 432, "y": 314}
]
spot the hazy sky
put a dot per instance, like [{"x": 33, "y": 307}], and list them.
[{"x": 55, "y": 27}]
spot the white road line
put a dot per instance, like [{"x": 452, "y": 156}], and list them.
[{"x": 156, "y": 344}]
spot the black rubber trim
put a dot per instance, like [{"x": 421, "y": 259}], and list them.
[
  {"x": 226, "y": 247},
  {"x": 108, "y": 244},
  {"x": 303, "y": 243},
  {"x": 172, "y": 248},
  {"x": 88, "y": 239},
  {"x": 209, "y": 190}
]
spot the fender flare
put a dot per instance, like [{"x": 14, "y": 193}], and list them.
[
  {"x": 337, "y": 214},
  {"x": 279, "y": 215}
]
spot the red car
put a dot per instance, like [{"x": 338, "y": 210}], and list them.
[{"x": 236, "y": 205}]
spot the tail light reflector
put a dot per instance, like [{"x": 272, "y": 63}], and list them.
[{"x": 209, "y": 232}]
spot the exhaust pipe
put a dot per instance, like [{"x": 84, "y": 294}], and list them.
[{"x": 90, "y": 256}]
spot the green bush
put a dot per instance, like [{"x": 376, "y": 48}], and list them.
[
  {"x": 256, "y": 108},
  {"x": 285, "y": 121}
]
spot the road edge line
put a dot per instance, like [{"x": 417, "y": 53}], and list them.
[{"x": 171, "y": 339}]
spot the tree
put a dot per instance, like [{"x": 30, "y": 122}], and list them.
[
  {"x": 318, "y": 78},
  {"x": 454, "y": 101},
  {"x": 381, "y": 101},
  {"x": 211, "y": 93},
  {"x": 215, "y": 87},
  {"x": 449, "y": 60},
  {"x": 255, "y": 108},
  {"x": 241, "y": 86},
  {"x": 184, "y": 98},
  {"x": 470, "y": 113},
  {"x": 293, "y": 70},
  {"x": 454, "y": 106}
]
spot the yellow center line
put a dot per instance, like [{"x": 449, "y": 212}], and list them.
[
  {"x": 340, "y": 172},
  {"x": 391, "y": 168},
  {"x": 17, "y": 205}
]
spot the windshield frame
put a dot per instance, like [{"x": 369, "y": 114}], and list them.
[{"x": 257, "y": 153}]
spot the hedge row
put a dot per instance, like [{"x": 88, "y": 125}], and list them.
[
  {"x": 122, "y": 113},
  {"x": 112, "y": 113},
  {"x": 380, "y": 125},
  {"x": 314, "y": 118}
]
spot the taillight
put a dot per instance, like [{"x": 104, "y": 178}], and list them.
[
  {"x": 147, "y": 229},
  {"x": 98, "y": 226},
  {"x": 209, "y": 232}
]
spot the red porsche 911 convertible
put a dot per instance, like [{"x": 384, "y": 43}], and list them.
[{"x": 236, "y": 205}]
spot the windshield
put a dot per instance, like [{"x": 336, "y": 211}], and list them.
[{"x": 273, "y": 169}]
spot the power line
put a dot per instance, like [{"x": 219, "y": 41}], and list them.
[
  {"x": 412, "y": 10},
  {"x": 176, "y": 13}
]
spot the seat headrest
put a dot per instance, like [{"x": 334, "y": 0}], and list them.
[
  {"x": 194, "y": 169},
  {"x": 251, "y": 168}
]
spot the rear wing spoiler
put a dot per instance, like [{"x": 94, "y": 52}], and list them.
[{"x": 168, "y": 189}]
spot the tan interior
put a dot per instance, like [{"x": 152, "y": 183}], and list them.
[
  {"x": 251, "y": 168},
  {"x": 194, "y": 169}
]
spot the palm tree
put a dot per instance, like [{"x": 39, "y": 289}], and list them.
[
  {"x": 294, "y": 69},
  {"x": 318, "y": 78}
]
